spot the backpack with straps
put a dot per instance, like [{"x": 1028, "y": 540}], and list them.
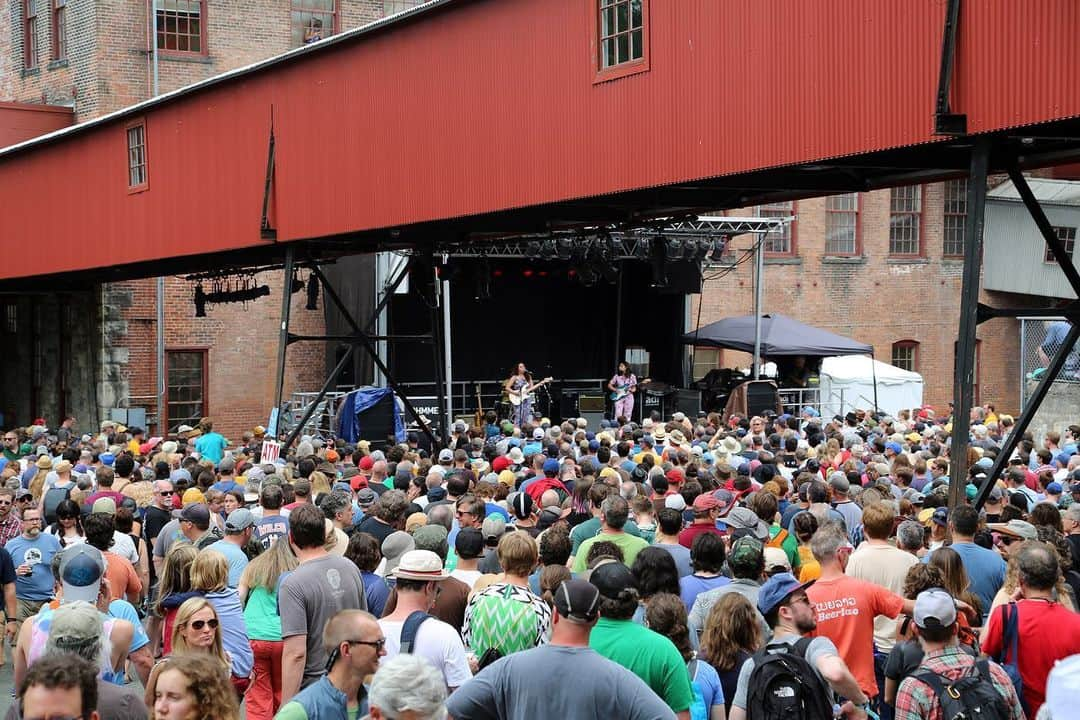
[
  {"x": 778, "y": 541},
  {"x": 784, "y": 686},
  {"x": 53, "y": 497},
  {"x": 1010, "y": 648},
  {"x": 972, "y": 697},
  {"x": 409, "y": 629}
]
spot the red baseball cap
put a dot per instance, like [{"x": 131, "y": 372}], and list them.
[{"x": 366, "y": 463}]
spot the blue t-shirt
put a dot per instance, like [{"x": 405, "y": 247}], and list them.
[
  {"x": 985, "y": 569},
  {"x": 211, "y": 446},
  {"x": 693, "y": 585},
  {"x": 37, "y": 553},
  {"x": 123, "y": 610},
  {"x": 271, "y": 528},
  {"x": 236, "y": 557},
  {"x": 707, "y": 681},
  {"x": 376, "y": 591},
  {"x": 227, "y": 486},
  {"x": 491, "y": 507}
]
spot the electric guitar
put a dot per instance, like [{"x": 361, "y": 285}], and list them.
[
  {"x": 519, "y": 396},
  {"x": 623, "y": 390}
]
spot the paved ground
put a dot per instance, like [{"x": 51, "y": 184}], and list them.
[{"x": 5, "y": 679}]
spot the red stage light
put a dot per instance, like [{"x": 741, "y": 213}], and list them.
[
  {"x": 527, "y": 273},
  {"x": 496, "y": 273}
]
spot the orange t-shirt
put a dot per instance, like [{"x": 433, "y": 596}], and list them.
[
  {"x": 121, "y": 576},
  {"x": 846, "y": 608}
]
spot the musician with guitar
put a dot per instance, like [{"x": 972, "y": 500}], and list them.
[
  {"x": 623, "y": 385},
  {"x": 519, "y": 387}
]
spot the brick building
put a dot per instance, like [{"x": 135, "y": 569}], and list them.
[
  {"x": 95, "y": 57},
  {"x": 883, "y": 267}
]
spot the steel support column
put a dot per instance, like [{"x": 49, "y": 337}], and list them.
[
  {"x": 363, "y": 339},
  {"x": 283, "y": 329},
  {"x": 964, "y": 374}
]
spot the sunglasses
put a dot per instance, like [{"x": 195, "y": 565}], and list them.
[
  {"x": 1007, "y": 540},
  {"x": 165, "y": 493},
  {"x": 200, "y": 624},
  {"x": 377, "y": 644}
]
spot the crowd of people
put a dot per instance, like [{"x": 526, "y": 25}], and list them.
[{"x": 695, "y": 568}]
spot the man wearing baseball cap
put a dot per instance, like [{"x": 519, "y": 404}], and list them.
[
  {"x": 789, "y": 613},
  {"x": 944, "y": 663},
  {"x": 708, "y": 507},
  {"x": 564, "y": 679}
]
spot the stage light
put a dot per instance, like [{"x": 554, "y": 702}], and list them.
[
  {"x": 312, "y": 292},
  {"x": 719, "y": 248},
  {"x": 527, "y": 273},
  {"x": 548, "y": 250},
  {"x": 532, "y": 248},
  {"x": 609, "y": 272},
  {"x": 565, "y": 248},
  {"x": 200, "y": 301},
  {"x": 675, "y": 249},
  {"x": 483, "y": 280},
  {"x": 703, "y": 248}
]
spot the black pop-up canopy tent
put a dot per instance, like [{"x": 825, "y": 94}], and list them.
[{"x": 780, "y": 335}]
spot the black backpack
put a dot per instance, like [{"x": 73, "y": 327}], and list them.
[
  {"x": 783, "y": 685},
  {"x": 53, "y": 497},
  {"x": 972, "y": 697}
]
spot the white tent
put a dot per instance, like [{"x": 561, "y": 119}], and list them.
[{"x": 847, "y": 382}]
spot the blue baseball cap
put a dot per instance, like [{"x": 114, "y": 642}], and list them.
[
  {"x": 1054, "y": 488},
  {"x": 777, "y": 589},
  {"x": 551, "y": 465},
  {"x": 107, "y": 459},
  {"x": 895, "y": 447}
]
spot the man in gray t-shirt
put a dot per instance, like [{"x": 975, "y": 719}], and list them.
[
  {"x": 308, "y": 597},
  {"x": 564, "y": 679},
  {"x": 783, "y": 603}
]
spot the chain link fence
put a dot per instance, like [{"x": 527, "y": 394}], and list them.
[{"x": 1039, "y": 339}]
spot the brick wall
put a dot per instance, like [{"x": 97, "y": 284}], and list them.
[{"x": 873, "y": 298}]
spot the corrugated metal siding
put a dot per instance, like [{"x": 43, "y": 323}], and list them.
[
  {"x": 1014, "y": 250},
  {"x": 489, "y": 105},
  {"x": 22, "y": 121}
]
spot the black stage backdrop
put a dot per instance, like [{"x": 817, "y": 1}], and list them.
[{"x": 539, "y": 314}]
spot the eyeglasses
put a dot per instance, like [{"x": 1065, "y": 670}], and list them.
[
  {"x": 377, "y": 644},
  {"x": 11, "y": 439},
  {"x": 165, "y": 493},
  {"x": 200, "y": 624},
  {"x": 31, "y": 520},
  {"x": 1007, "y": 540}
]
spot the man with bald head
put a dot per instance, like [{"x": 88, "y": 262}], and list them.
[
  {"x": 378, "y": 477},
  {"x": 354, "y": 642}
]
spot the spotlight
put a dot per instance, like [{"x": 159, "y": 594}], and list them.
[
  {"x": 641, "y": 248},
  {"x": 564, "y": 248},
  {"x": 200, "y": 301},
  {"x": 532, "y": 248},
  {"x": 675, "y": 248},
  {"x": 297, "y": 284},
  {"x": 483, "y": 280},
  {"x": 703, "y": 247},
  {"x": 312, "y": 292},
  {"x": 548, "y": 250},
  {"x": 609, "y": 272},
  {"x": 581, "y": 249},
  {"x": 719, "y": 248}
]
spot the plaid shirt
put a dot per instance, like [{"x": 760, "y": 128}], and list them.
[
  {"x": 10, "y": 528},
  {"x": 915, "y": 699}
]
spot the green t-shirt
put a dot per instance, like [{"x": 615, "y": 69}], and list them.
[
  {"x": 261, "y": 615},
  {"x": 789, "y": 545},
  {"x": 629, "y": 544},
  {"x": 647, "y": 654},
  {"x": 589, "y": 528}
]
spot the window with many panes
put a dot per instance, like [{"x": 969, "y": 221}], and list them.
[
  {"x": 622, "y": 32},
  {"x": 1067, "y": 236},
  {"x": 955, "y": 217},
  {"x": 30, "y": 46},
  {"x": 905, "y": 355},
  {"x": 313, "y": 20},
  {"x": 842, "y": 224},
  {"x": 705, "y": 359},
  {"x": 136, "y": 145},
  {"x": 59, "y": 29},
  {"x": 395, "y": 6},
  {"x": 905, "y": 220},
  {"x": 779, "y": 242},
  {"x": 186, "y": 394},
  {"x": 181, "y": 26}
]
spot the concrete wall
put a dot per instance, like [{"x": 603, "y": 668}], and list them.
[{"x": 1059, "y": 410}]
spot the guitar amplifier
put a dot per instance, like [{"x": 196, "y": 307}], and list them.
[
  {"x": 761, "y": 395},
  {"x": 688, "y": 402},
  {"x": 590, "y": 403}
]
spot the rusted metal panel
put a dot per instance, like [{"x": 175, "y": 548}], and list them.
[{"x": 490, "y": 105}]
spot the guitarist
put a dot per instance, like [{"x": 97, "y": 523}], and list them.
[
  {"x": 623, "y": 386},
  {"x": 520, "y": 382}
]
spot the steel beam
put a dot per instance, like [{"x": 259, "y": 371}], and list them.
[
  {"x": 283, "y": 329},
  {"x": 1028, "y": 413},
  {"x": 1064, "y": 261},
  {"x": 964, "y": 376},
  {"x": 369, "y": 346},
  {"x": 946, "y": 122}
]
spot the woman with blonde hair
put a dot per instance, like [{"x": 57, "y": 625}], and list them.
[
  {"x": 197, "y": 630},
  {"x": 210, "y": 576},
  {"x": 190, "y": 687},
  {"x": 258, "y": 592},
  {"x": 37, "y": 484},
  {"x": 732, "y": 634},
  {"x": 320, "y": 486}
]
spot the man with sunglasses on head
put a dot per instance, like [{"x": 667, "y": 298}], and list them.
[{"x": 353, "y": 642}]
